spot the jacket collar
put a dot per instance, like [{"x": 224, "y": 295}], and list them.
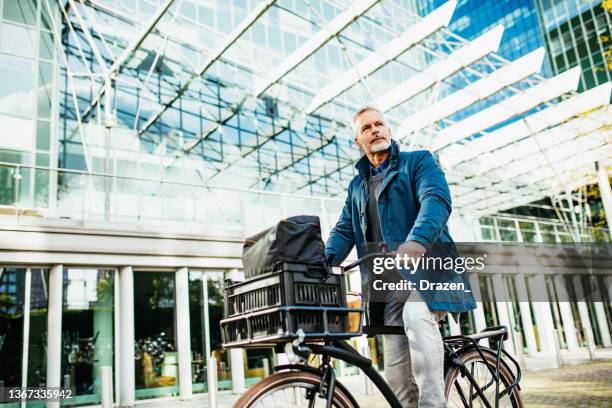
[{"x": 363, "y": 165}]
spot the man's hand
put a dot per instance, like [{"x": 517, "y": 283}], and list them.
[{"x": 412, "y": 249}]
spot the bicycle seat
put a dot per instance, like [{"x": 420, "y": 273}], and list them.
[{"x": 490, "y": 332}]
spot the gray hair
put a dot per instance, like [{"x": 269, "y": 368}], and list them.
[{"x": 362, "y": 111}]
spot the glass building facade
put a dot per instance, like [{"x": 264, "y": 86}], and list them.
[
  {"x": 577, "y": 33},
  {"x": 134, "y": 183}
]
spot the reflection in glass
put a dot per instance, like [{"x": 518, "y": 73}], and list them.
[
  {"x": 514, "y": 311},
  {"x": 155, "y": 353},
  {"x": 12, "y": 297},
  {"x": 45, "y": 88},
  {"x": 215, "y": 312},
  {"x": 87, "y": 331},
  {"x": 17, "y": 40},
  {"x": 259, "y": 364},
  {"x": 37, "y": 344},
  {"x": 555, "y": 310},
  {"x": 20, "y": 11},
  {"x": 197, "y": 315},
  {"x": 7, "y": 185},
  {"x": 16, "y": 85}
]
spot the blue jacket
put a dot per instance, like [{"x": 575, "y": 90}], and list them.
[{"x": 414, "y": 204}]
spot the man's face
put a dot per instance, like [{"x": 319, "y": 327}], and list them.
[{"x": 373, "y": 134}]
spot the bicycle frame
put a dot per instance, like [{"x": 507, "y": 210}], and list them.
[
  {"x": 342, "y": 351},
  {"x": 454, "y": 347}
]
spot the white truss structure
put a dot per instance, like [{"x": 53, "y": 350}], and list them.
[{"x": 504, "y": 134}]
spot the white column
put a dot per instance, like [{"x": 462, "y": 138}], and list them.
[
  {"x": 54, "y": 330},
  {"x": 117, "y": 343},
  {"x": 25, "y": 348},
  {"x": 543, "y": 315},
  {"x": 502, "y": 310},
  {"x": 528, "y": 333},
  {"x": 583, "y": 311},
  {"x": 183, "y": 334},
  {"x": 127, "y": 393},
  {"x": 605, "y": 192},
  {"x": 237, "y": 369},
  {"x": 567, "y": 317}
]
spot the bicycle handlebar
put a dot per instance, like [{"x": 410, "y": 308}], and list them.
[{"x": 365, "y": 257}]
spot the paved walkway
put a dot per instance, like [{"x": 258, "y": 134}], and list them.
[{"x": 585, "y": 385}]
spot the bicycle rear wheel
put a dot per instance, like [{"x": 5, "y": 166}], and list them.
[
  {"x": 291, "y": 389},
  {"x": 461, "y": 393}
]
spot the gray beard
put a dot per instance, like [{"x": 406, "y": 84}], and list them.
[{"x": 378, "y": 149}]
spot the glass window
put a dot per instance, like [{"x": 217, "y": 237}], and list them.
[
  {"x": 514, "y": 310},
  {"x": 258, "y": 364},
  {"x": 16, "y": 85},
  {"x": 155, "y": 355},
  {"x": 529, "y": 282},
  {"x": 37, "y": 343},
  {"x": 555, "y": 310},
  {"x": 489, "y": 305},
  {"x": 528, "y": 232},
  {"x": 45, "y": 80},
  {"x": 45, "y": 21},
  {"x": 17, "y": 40},
  {"x": 20, "y": 137},
  {"x": 216, "y": 313},
  {"x": 43, "y": 135},
  {"x": 7, "y": 185},
  {"x": 198, "y": 315},
  {"x": 12, "y": 298},
  {"x": 87, "y": 331},
  {"x": 20, "y": 11},
  {"x": 46, "y": 45}
]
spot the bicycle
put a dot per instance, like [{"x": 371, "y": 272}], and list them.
[{"x": 475, "y": 376}]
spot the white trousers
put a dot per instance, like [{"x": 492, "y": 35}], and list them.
[{"x": 414, "y": 364}]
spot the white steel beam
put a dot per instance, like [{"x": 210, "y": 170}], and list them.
[
  {"x": 507, "y": 172},
  {"x": 532, "y": 124},
  {"x": 214, "y": 57},
  {"x": 527, "y": 148},
  {"x": 509, "y": 74},
  {"x": 560, "y": 154},
  {"x": 416, "y": 33},
  {"x": 127, "y": 53},
  {"x": 467, "y": 55},
  {"x": 506, "y": 109},
  {"x": 315, "y": 42},
  {"x": 501, "y": 201},
  {"x": 543, "y": 179}
]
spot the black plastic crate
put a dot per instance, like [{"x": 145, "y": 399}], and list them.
[
  {"x": 291, "y": 284},
  {"x": 271, "y": 308}
]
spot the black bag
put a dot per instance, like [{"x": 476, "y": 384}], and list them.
[{"x": 295, "y": 239}]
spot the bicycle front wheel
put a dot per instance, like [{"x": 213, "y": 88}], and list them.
[
  {"x": 462, "y": 393},
  {"x": 292, "y": 389}
]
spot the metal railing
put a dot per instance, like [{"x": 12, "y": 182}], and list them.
[
  {"x": 77, "y": 195},
  {"x": 96, "y": 197}
]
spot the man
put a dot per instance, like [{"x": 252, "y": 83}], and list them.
[{"x": 400, "y": 197}]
